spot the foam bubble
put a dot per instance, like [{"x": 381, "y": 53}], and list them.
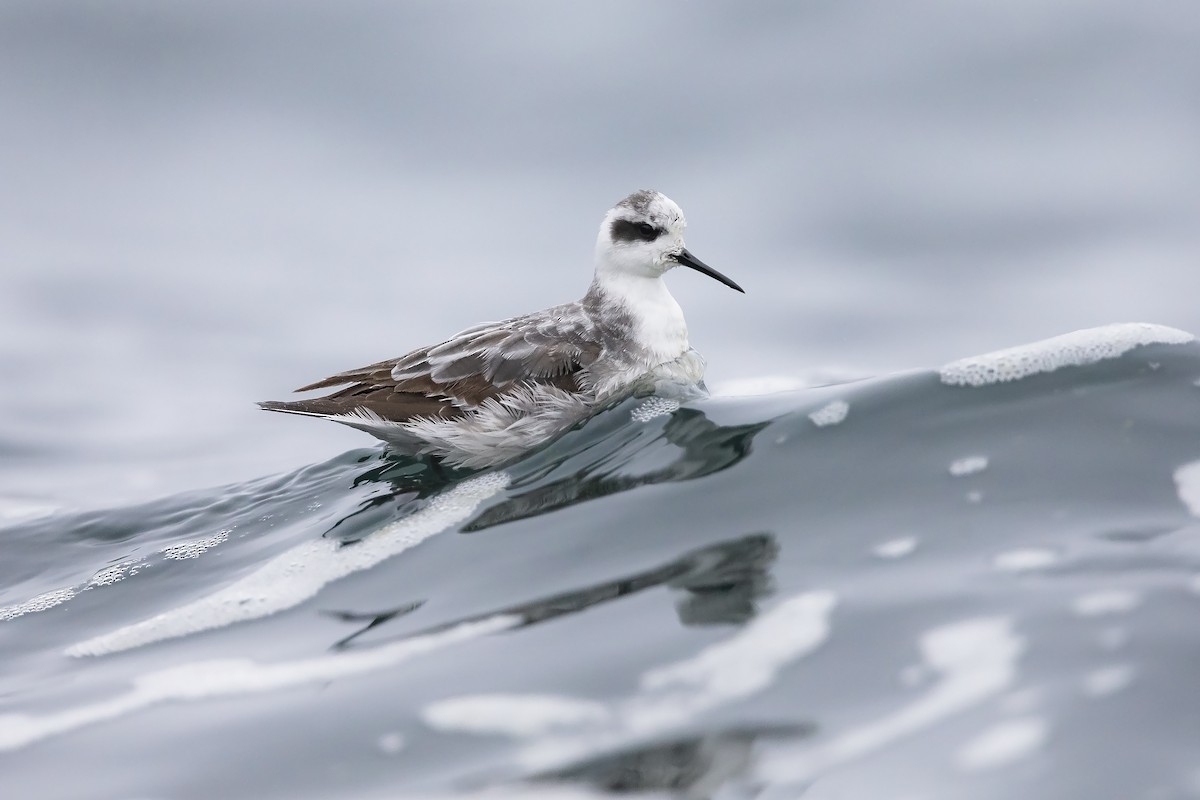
[
  {"x": 654, "y": 407},
  {"x": 1003, "y": 743},
  {"x": 830, "y": 414},
  {"x": 896, "y": 548},
  {"x": 41, "y": 602},
  {"x": 1187, "y": 485},
  {"x": 112, "y": 574},
  {"x": 968, "y": 465},
  {"x": 390, "y": 743},
  {"x": 300, "y": 573},
  {"x": 107, "y": 576},
  {"x": 1025, "y": 560},
  {"x": 518, "y": 715},
  {"x": 1069, "y": 350},
  {"x": 1109, "y": 601},
  {"x": 1108, "y": 680},
  {"x": 115, "y": 573},
  {"x": 195, "y": 547}
]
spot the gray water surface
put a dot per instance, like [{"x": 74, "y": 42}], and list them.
[{"x": 953, "y": 591}]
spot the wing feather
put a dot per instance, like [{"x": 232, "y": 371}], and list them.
[{"x": 473, "y": 366}]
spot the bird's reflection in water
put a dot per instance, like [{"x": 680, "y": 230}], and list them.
[
  {"x": 703, "y": 448},
  {"x": 719, "y": 585},
  {"x": 727, "y": 590},
  {"x": 405, "y": 484},
  {"x": 399, "y": 486},
  {"x": 693, "y": 767}
]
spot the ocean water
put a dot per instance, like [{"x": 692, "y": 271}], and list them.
[
  {"x": 977, "y": 581},
  {"x": 840, "y": 577}
]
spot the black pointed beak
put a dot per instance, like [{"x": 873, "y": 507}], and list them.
[{"x": 688, "y": 260}]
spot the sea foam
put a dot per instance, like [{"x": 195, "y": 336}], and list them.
[{"x": 1069, "y": 350}]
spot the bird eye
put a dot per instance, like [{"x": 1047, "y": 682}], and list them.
[{"x": 625, "y": 230}]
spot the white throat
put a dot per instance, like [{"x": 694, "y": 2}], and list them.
[{"x": 658, "y": 323}]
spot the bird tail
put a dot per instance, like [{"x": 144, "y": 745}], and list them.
[{"x": 307, "y": 408}]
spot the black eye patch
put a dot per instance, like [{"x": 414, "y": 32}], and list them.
[{"x": 625, "y": 231}]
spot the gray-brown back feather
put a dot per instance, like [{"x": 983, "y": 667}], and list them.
[{"x": 445, "y": 381}]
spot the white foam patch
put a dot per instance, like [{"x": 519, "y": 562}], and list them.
[
  {"x": 1108, "y": 680},
  {"x": 742, "y": 665},
  {"x": 112, "y": 574},
  {"x": 1025, "y": 560},
  {"x": 673, "y": 695},
  {"x": 968, "y": 465},
  {"x": 390, "y": 743},
  {"x": 1002, "y": 744},
  {"x": 1108, "y": 601},
  {"x": 896, "y": 548},
  {"x": 1187, "y": 485},
  {"x": 41, "y": 602},
  {"x": 195, "y": 547},
  {"x": 300, "y": 573},
  {"x": 1069, "y": 350},
  {"x": 562, "y": 729},
  {"x": 974, "y": 660},
  {"x": 225, "y": 678},
  {"x": 115, "y": 573},
  {"x": 654, "y": 407},
  {"x": 517, "y": 715},
  {"x": 830, "y": 413}
]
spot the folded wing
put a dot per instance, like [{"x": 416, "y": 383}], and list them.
[{"x": 446, "y": 381}]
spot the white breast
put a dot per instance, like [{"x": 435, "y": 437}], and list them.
[{"x": 658, "y": 325}]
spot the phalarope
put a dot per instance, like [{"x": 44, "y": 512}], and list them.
[{"x": 497, "y": 390}]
